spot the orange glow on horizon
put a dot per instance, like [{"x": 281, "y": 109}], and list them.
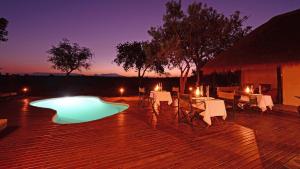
[{"x": 13, "y": 68}]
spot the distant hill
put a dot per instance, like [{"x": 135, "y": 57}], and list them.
[
  {"x": 74, "y": 74},
  {"x": 109, "y": 75},
  {"x": 54, "y": 74}
]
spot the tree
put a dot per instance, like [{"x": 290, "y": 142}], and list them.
[
  {"x": 3, "y": 31},
  {"x": 68, "y": 57},
  {"x": 208, "y": 33},
  {"x": 192, "y": 39},
  {"x": 172, "y": 45},
  {"x": 139, "y": 56}
]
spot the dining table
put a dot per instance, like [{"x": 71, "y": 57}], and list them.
[
  {"x": 212, "y": 107},
  {"x": 263, "y": 101},
  {"x": 158, "y": 96}
]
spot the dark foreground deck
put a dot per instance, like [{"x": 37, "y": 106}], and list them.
[{"x": 138, "y": 139}]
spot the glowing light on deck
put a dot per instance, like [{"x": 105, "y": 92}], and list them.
[
  {"x": 121, "y": 90},
  {"x": 25, "y": 89}
]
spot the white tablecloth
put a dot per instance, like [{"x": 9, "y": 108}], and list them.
[
  {"x": 214, "y": 107},
  {"x": 161, "y": 96},
  {"x": 263, "y": 101}
]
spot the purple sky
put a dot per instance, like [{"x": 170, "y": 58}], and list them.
[{"x": 35, "y": 25}]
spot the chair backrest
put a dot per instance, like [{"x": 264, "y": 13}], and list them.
[
  {"x": 175, "y": 89},
  {"x": 207, "y": 91},
  {"x": 228, "y": 89},
  {"x": 228, "y": 92},
  {"x": 265, "y": 88},
  {"x": 252, "y": 99},
  {"x": 175, "y": 92},
  {"x": 141, "y": 90},
  {"x": 185, "y": 102},
  {"x": 200, "y": 104}
]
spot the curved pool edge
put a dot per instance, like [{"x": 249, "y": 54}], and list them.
[{"x": 116, "y": 103}]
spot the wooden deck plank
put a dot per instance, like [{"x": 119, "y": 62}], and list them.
[{"x": 136, "y": 138}]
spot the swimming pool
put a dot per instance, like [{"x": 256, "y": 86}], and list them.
[{"x": 78, "y": 109}]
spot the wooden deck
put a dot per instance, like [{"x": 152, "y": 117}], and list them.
[{"x": 136, "y": 138}]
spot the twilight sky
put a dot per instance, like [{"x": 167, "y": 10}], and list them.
[{"x": 36, "y": 25}]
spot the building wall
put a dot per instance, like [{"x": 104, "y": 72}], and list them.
[
  {"x": 261, "y": 75},
  {"x": 291, "y": 85}
]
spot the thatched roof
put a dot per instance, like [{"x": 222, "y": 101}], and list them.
[{"x": 276, "y": 42}]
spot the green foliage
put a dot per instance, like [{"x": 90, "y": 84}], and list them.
[
  {"x": 68, "y": 57},
  {"x": 139, "y": 56},
  {"x": 3, "y": 31}
]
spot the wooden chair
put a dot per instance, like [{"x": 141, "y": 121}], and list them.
[
  {"x": 230, "y": 95},
  {"x": 235, "y": 102},
  {"x": 143, "y": 96},
  {"x": 175, "y": 94},
  {"x": 207, "y": 91},
  {"x": 253, "y": 104},
  {"x": 252, "y": 100},
  {"x": 264, "y": 88},
  {"x": 186, "y": 111}
]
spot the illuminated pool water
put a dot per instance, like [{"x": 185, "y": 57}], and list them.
[{"x": 78, "y": 109}]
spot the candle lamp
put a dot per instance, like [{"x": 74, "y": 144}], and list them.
[
  {"x": 247, "y": 90},
  {"x": 156, "y": 88},
  {"x": 197, "y": 92}
]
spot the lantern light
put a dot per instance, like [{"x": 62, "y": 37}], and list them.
[
  {"x": 190, "y": 88},
  {"x": 121, "y": 90},
  {"x": 25, "y": 89}
]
